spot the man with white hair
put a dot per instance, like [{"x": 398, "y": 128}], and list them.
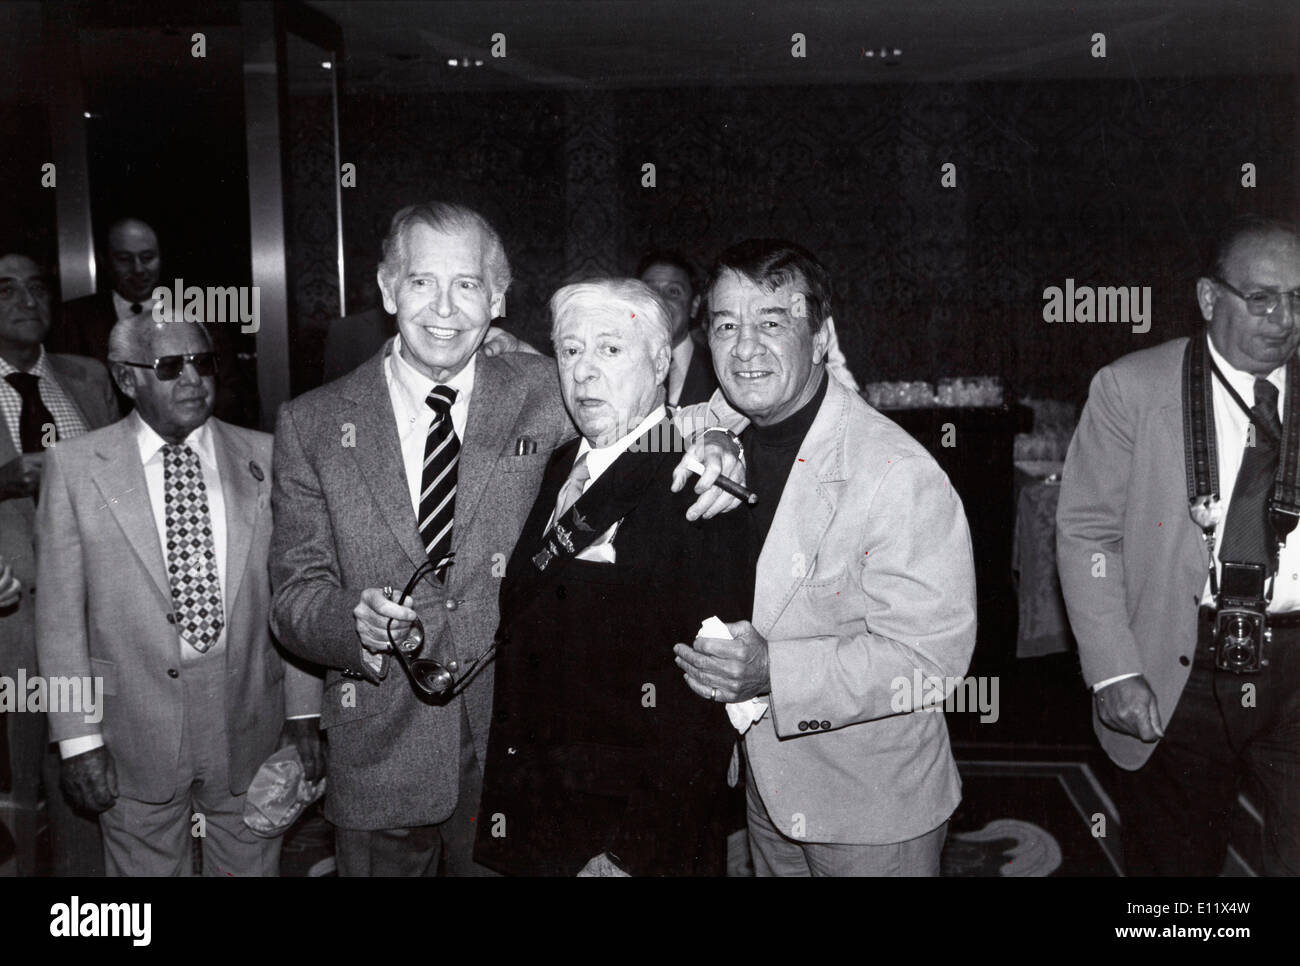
[
  {"x": 421, "y": 464},
  {"x": 600, "y": 760},
  {"x": 152, "y": 539}
]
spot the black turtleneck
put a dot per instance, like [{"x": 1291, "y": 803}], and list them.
[{"x": 770, "y": 453}]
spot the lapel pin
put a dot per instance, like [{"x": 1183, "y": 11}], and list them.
[{"x": 256, "y": 471}]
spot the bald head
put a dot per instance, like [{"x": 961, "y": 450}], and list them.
[{"x": 133, "y": 259}]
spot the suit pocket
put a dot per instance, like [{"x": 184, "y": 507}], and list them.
[
  {"x": 346, "y": 700},
  {"x": 510, "y": 463},
  {"x": 105, "y": 671}
]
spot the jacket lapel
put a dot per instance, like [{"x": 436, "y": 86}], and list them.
[
  {"x": 378, "y": 453},
  {"x": 77, "y": 390},
  {"x": 493, "y": 408},
  {"x": 800, "y": 524},
  {"x": 243, "y": 496},
  {"x": 119, "y": 477}
]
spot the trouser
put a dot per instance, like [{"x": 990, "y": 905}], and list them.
[
  {"x": 776, "y": 854},
  {"x": 1176, "y": 810},
  {"x": 149, "y": 839},
  {"x": 446, "y": 848}
]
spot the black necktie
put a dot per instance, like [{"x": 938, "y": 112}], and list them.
[
  {"x": 438, "y": 478},
  {"x": 1248, "y": 533},
  {"x": 35, "y": 416}
]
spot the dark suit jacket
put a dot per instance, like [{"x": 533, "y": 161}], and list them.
[
  {"x": 584, "y": 757},
  {"x": 83, "y": 325},
  {"x": 353, "y": 339},
  {"x": 344, "y": 522},
  {"x": 700, "y": 381}
]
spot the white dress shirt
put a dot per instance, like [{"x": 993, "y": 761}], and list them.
[
  {"x": 150, "y": 447},
  {"x": 601, "y": 550},
  {"x": 407, "y": 389},
  {"x": 122, "y": 308},
  {"x": 1230, "y": 424}
]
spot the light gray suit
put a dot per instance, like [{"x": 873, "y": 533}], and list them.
[
  {"x": 344, "y": 522},
  {"x": 105, "y": 610},
  {"x": 76, "y": 839},
  {"x": 1124, "y": 496}
]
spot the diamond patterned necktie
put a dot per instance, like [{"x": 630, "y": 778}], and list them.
[
  {"x": 1248, "y": 533},
  {"x": 438, "y": 478},
  {"x": 572, "y": 489},
  {"x": 35, "y": 415},
  {"x": 191, "y": 553}
]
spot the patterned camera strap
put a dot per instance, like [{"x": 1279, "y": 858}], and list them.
[{"x": 1201, "y": 451}]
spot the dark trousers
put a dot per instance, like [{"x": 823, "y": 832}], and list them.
[
  {"x": 1176, "y": 809},
  {"x": 425, "y": 850}
]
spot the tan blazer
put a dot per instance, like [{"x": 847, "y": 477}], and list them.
[
  {"x": 866, "y": 576},
  {"x": 105, "y": 601},
  {"x": 1124, "y": 505}
]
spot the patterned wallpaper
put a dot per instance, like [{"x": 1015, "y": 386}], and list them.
[{"x": 1106, "y": 182}]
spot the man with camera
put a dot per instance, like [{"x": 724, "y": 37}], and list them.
[{"x": 1180, "y": 580}]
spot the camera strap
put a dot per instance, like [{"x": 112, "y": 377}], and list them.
[{"x": 1201, "y": 451}]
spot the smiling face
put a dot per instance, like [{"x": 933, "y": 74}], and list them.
[
  {"x": 766, "y": 356},
  {"x": 609, "y": 377},
  {"x": 1258, "y": 344},
  {"x": 24, "y": 303},
  {"x": 133, "y": 260},
  {"x": 440, "y": 295},
  {"x": 175, "y": 408}
]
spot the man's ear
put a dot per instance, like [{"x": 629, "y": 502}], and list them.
[
  {"x": 124, "y": 376},
  {"x": 822, "y": 340},
  {"x": 498, "y": 305},
  {"x": 1206, "y": 296},
  {"x": 663, "y": 362},
  {"x": 390, "y": 302}
]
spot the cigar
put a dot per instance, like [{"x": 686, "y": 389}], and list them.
[{"x": 724, "y": 483}]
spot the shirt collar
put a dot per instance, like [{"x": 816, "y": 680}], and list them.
[
  {"x": 415, "y": 386},
  {"x": 150, "y": 443},
  {"x": 122, "y": 307},
  {"x": 1244, "y": 382},
  {"x": 599, "y": 460},
  {"x": 37, "y": 370}
]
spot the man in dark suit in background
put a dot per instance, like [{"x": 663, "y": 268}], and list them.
[
  {"x": 38, "y": 391},
  {"x": 690, "y": 377},
  {"x": 133, "y": 256},
  {"x": 134, "y": 268},
  {"x": 352, "y": 339},
  {"x": 601, "y": 761}
]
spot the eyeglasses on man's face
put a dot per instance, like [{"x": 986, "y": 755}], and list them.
[
  {"x": 1264, "y": 303},
  {"x": 167, "y": 368}
]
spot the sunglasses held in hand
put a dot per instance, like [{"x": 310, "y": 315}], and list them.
[{"x": 167, "y": 368}]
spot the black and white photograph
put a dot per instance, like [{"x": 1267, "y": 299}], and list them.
[{"x": 653, "y": 439}]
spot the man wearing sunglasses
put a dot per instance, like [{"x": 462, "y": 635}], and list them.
[
  {"x": 1186, "y": 730},
  {"x": 428, "y": 456},
  {"x": 44, "y": 398},
  {"x": 153, "y": 536}
]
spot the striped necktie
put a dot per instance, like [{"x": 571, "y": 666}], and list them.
[{"x": 438, "y": 478}]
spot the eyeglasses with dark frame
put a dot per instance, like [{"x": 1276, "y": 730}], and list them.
[
  {"x": 429, "y": 677},
  {"x": 1263, "y": 303},
  {"x": 167, "y": 368}
]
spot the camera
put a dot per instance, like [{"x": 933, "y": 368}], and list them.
[{"x": 1241, "y": 628}]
